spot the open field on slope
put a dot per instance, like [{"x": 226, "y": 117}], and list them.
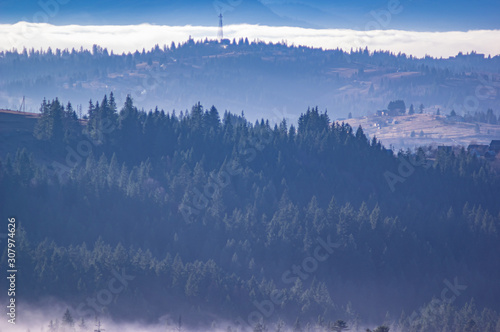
[{"x": 437, "y": 130}]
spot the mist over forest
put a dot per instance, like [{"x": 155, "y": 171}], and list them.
[{"x": 265, "y": 80}]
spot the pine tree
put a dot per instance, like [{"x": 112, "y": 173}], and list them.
[
  {"x": 23, "y": 166},
  {"x": 55, "y": 125},
  {"x": 113, "y": 171},
  {"x": 339, "y": 326},
  {"x": 412, "y": 110},
  {"x": 67, "y": 319},
  {"x": 396, "y": 107},
  {"x": 102, "y": 120},
  {"x": 82, "y": 326},
  {"x": 72, "y": 128},
  {"x": 43, "y": 126},
  {"x": 52, "y": 327},
  {"x": 57, "y": 114},
  {"x": 297, "y": 327},
  {"x": 259, "y": 328}
]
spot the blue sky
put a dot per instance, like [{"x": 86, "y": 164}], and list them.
[{"x": 416, "y": 15}]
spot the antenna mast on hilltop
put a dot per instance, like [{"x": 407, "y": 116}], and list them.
[
  {"x": 220, "y": 33},
  {"x": 98, "y": 325},
  {"x": 22, "y": 108}
]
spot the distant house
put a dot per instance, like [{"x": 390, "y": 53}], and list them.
[
  {"x": 478, "y": 150},
  {"x": 495, "y": 146},
  {"x": 394, "y": 112},
  {"x": 381, "y": 113}
]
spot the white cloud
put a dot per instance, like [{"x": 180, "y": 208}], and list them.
[{"x": 132, "y": 37}]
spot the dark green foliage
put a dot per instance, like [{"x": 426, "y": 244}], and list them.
[
  {"x": 102, "y": 119},
  {"x": 57, "y": 125},
  {"x": 396, "y": 107},
  {"x": 210, "y": 215},
  {"x": 297, "y": 327},
  {"x": 381, "y": 328},
  {"x": 339, "y": 326},
  {"x": 436, "y": 316},
  {"x": 490, "y": 117},
  {"x": 23, "y": 168},
  {"x": 313, "y": 121},
  {"x": 305, "y": 71},
  {"x": 67, "y": 319},
  {"x": 478, "y": 116},
  {"x": 412, "y": 110},
  {"x": 259, "y": 328}
]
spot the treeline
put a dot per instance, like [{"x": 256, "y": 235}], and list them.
[
  {"x": 215, "y": 216},
  {"x": 254, "y": 76},
  {"x": 431, "y": 317},
  {"x": 47, "y": 61},
  {"x": 482, "y": 117}
]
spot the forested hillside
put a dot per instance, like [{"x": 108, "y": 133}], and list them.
[
  {"x": 262, "y": 79},
  {"x": 208, "y": 216}
]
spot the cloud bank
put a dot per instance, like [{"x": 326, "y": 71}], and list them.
[{"x": 128, "y": 38}]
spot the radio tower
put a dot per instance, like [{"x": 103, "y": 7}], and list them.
[
  {"x": 22, "y": 108},
  {"x": 98, "y": 325},
  {"x": 220, "y": 33}
]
